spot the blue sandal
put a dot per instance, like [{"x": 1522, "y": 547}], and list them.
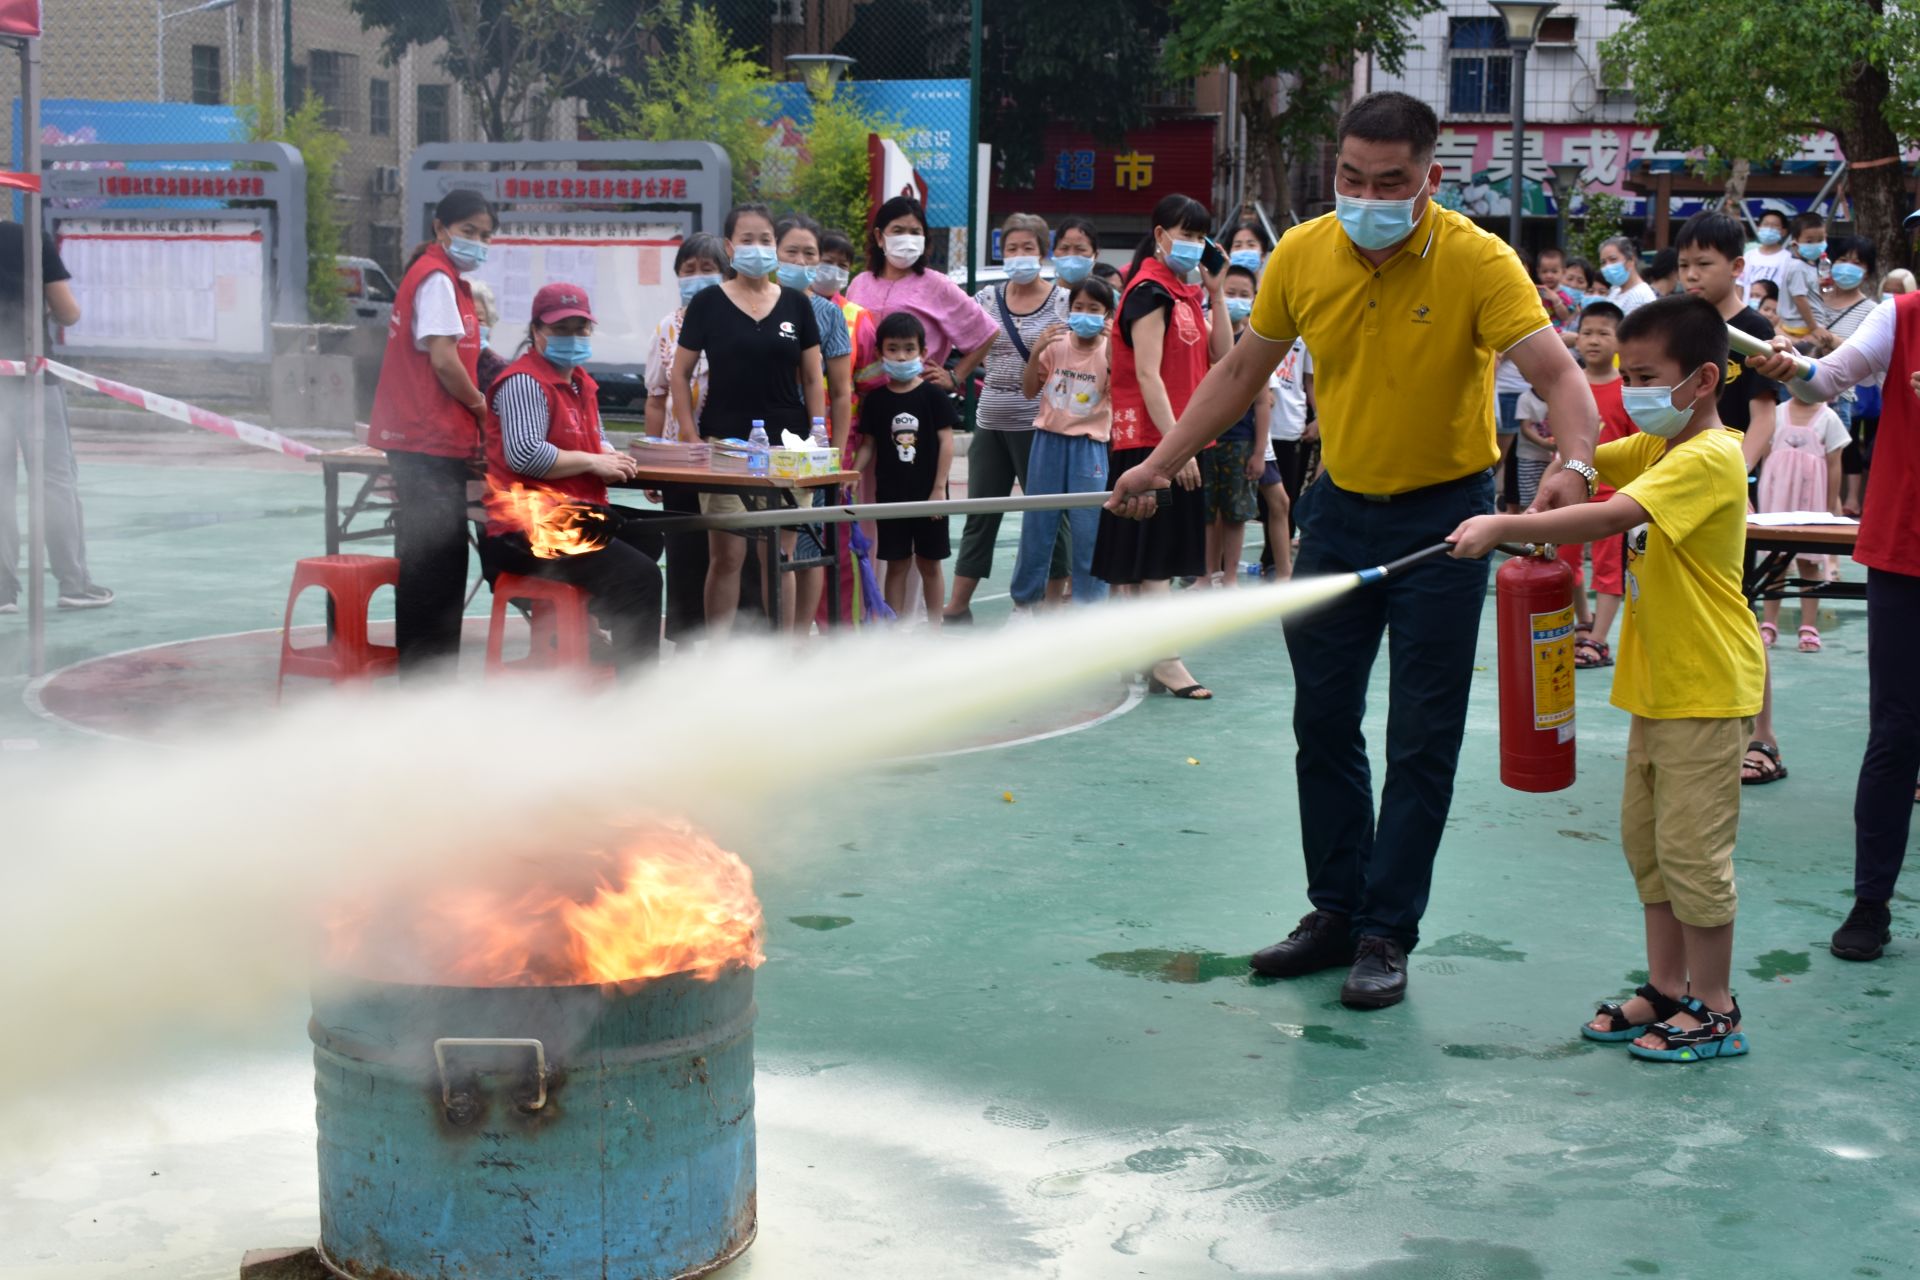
[
  {"x": 1714, "y": 1038},
  {"x": 1664, "y": 1007}
]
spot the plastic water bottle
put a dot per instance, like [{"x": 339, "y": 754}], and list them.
[
  {"x": 757, "y": 438},
  {"x": 819, "y": 438}
]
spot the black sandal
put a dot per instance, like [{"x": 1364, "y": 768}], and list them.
[
  {"x": 1769, "y": 770},
  {"x": 1664, "y": 1007},
  {"x": 1715, "y": 1037},
  {"x": 1193, "y": 692}
]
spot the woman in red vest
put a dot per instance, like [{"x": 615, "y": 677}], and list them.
[
  {"x": 1165, "y": 347},
  {"x": 543, "y": 432},
  {"x": 426, "y": 415}
]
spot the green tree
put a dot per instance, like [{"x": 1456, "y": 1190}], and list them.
[
  {"x": 1744, "y": 80},
  {"x": 700, "y": 86},
  {"x": 1309, "y": 47},
  {"x": 1599, "y": 223},
  {"x": 321, "y": 149},
  {"x": 514, "y": 59},
  {"x": 832, "y": 185}
]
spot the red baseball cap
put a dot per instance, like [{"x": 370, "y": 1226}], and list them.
[{"x": 560, "y": 301}]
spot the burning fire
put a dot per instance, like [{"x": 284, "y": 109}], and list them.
[
  {"x": 555, "y": 526},
  {"x": 669, "y": 901}
]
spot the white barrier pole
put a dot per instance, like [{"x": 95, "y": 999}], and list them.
[{"x": 33, "y": 326}]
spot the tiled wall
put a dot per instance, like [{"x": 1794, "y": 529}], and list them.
[{"x": 1563, "y": 84}]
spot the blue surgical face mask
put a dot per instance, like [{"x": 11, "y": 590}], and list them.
[
  {"x": 1073, "y": 268},
  {"x": 690, "y": 285},
  {"x": 569, "y": 350},
  {"x": 1085, "y": 324},
  {"x": 1848, "y": 275},
  {"x": 903, "y": 370},
  {"x": 467, "y": 255},
  {"x": 1248, "y": 258},
  {"x": 1376, "y": 224},
  {"x": 1239, "y": 308},
  {"x": 796, "y": 275},
  {"x": 1771, "y": 236},
  {"x": 486, "y": 331},
  {"x": 1575, "y": 298},
  {"x": 1024, "y": 269},
  {"x": 1615, "y": 273},
  {"x": 1813, "y": 252},
  {"x": 756, "y": 260},
  {"x": 1652, "y": 410},
  {"x": 1184, "y": 255}
]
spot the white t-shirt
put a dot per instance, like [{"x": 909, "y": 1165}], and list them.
[
  {"x": 1761, "y": 265},
  {"x": 1289, "y": 386},
  {"x": 1631, "y": 298},
  {"x": 1531, "y": 409},
  {"x": 436, "y": 311},
  {"x": 1833, "y": 433},
  {"x": 1507, "y": 377}
]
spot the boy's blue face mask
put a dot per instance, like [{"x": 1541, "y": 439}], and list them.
[
  {"x": 1239, "y": 308},
  {"x": 1771, "y": 236},
  {"x": 902, "y": 370},
  {"x": 1815, "y": 251},
  {"x": 1248, "y": 258},
  {"x": 1653, "y": 411}
]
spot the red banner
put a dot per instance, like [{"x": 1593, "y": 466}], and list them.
[
  {"x": 20, "y": 17},
  {"x": 19, "y": 181},
  {"x": 1076, "y": 175}
]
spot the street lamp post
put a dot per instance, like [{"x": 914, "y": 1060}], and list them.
[
  {"x": 1566, "y": 178},
  {"x": 1523, "y": 20},
  {"x": 160, "y": 20}
]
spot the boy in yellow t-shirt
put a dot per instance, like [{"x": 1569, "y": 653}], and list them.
[{"x": 1690, "y": 669}]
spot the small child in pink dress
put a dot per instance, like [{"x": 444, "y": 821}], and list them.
[{"x": 1802, "y": 473}]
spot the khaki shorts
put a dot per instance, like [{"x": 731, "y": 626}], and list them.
[
  {"x": 722, "y": 504},
  {"x": 1680, "y": 811}
]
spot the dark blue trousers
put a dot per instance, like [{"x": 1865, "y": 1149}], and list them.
[
  {"x": 1883, "y": 800},
  {"x": 1378, "y": 871}
]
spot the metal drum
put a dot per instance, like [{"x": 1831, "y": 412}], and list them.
[{"x": 535, "y": 1133}]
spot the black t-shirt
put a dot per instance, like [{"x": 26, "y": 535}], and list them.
[
  {"x": 904, "y": 427},
  {"x": 13, "y": 274},
  {"x": 1743, "y": 385},
  {"x": 752, "y": 365},
  {"x": 1145, "y": 299}
]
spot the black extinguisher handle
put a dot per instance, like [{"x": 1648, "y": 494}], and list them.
[{"x": 1542, "y": 550}]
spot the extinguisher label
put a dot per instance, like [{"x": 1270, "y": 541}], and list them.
[{"x": 1553, "y": 669}]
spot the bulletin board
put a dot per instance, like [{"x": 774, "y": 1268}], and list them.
[
  {"x": 625, "y": 267},
  {"x": 189, "y": 285}
]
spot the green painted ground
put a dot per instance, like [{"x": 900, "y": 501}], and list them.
[{"x": 1019, "y": 1039}]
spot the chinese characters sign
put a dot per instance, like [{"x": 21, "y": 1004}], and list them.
[
  {"x": 603, "y": 186},
  {"x": 1076, "y": 174}
]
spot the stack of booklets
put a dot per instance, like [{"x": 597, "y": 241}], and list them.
[{"x": 655, "y": 452}]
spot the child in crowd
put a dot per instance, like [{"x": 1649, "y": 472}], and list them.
[
  {"x": 830, "y": 282},
  {"x": 1802, "y": 315},
  {"x": 1067, "y": 373},
  {"x": 1769, "y": 260},
  {"x": 1764, "y": 297},
  {"x": 1803, "y": 474},
  {"x": 1574, "y": 279},
  {"x": 1237, "y": 460},
  {"x": 1599, "y": 347},
  {"x": 1689, "y": 674},
  {"x": 1533, "y": 450},
  {"x": 907, "y": 435},
  {"x": 1710, "y": 245},
  {"x": 1292, "y": 434},
  {"x": 1663, "y": 273},
  {"x": 1548, "y": 269}
]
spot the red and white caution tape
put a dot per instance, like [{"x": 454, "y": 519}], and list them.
[{"x": 166, "y": 407}]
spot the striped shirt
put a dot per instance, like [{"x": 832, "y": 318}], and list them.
[
  {"x": 1002, "y": 407},
  {"x": 521, "y": 403}
]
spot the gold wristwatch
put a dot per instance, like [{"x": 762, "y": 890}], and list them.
[{"x": 1587, "y": 472}]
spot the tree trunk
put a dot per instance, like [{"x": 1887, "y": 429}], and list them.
[
  {"x": 1736, "y": 191},
  {"x": 1878, "y": 191},
  {"x": 1266, "y": 162}
]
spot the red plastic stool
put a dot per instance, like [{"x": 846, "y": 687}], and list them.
[
  {"x": 562, "y": 628},
  {"x": 349, "y": 657}
]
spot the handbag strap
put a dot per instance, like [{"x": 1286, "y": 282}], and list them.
[{"x": 1006, "y": 322}]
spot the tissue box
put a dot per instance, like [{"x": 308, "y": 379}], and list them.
[{"x": 794, "y": 464}]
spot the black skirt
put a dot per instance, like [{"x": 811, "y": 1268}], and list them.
[{"x": 1172, "y": 544}]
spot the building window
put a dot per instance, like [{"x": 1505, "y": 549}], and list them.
[
  {"x": 1479, "y": 68},
  {"x": 379, "y": 107},
  {"x": 296, "y": 87},
  {"x": 334, "y": 78},
  {"x": 432, "y": 120},
  {"x": 206, "y": 75}
]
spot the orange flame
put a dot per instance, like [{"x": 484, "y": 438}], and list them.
[
  {"x": 671, "y": 901},
  {"x": 555, "y": 526}
]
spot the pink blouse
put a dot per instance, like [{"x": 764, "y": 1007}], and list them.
[{"x": 952, "y": 319}]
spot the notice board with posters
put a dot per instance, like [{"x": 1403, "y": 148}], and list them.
[{"x": 193, "y": 285}]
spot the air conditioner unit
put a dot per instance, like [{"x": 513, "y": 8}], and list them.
[
  {"x": 792, "y": 13},
  {"x": 386, "y": 181}
]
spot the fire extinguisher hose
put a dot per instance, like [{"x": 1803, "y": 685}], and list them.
[{"x": 1392, "y": 567}]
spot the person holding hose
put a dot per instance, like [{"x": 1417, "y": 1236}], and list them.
[
  {"x": 1405, "y": 306},
  {"x": 1887, "y": 344},
  {"x": 427, "y": 412}
]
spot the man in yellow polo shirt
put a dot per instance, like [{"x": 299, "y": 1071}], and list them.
[{"x": 1405, "y": 307}]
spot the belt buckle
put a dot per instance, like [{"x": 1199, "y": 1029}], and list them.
[{"x": 1382, "y": 498}]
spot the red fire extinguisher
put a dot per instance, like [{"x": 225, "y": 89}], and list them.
[{"x": 1536, "y": 626}]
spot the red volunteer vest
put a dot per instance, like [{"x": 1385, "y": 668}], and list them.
[
  {"x": 1183, "y": 359},
  {"x": 573, "y": 422},
  {"x": 412, "y": 412},
  {"x": 1890, "y": 523}
]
